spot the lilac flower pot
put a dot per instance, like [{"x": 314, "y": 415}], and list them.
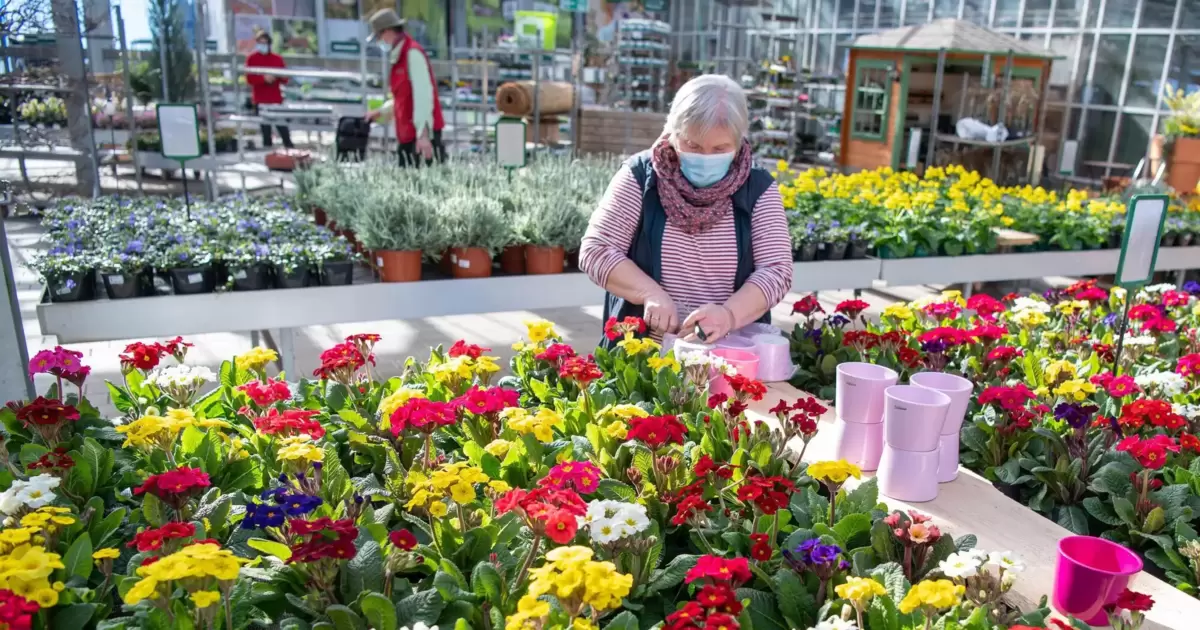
[
  {"x": 909, "y": 476},
  {"x": 774, "y": 358},
  {"x": 858, "y": 396},
  {"x": 860, "y": 444},
  {"x": 913, "y": 418},
  {"x": 750, "y": 331},
  {"x": 682, "y": 347},
  {"x": 948, "y": 458},
  {"x": 1091, "y": 572},
  {"x": 736, "y": 342},
  {"x": 957, "y": 388}
]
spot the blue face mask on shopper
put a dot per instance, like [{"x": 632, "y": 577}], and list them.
[{"x": 705, "y": 170}]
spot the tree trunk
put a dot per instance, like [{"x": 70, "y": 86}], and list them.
[{"x": 79, "y": 123}]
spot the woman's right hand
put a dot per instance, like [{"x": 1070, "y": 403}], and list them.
[{"x": 659, "y": 312}]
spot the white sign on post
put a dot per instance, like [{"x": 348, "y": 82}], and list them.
[
  {"x": 1066, "y": 164},
  {"x": 914, "y": 148},
  {"x": 510, "y": 143},
  {"x": 1143, "y": 231},
  {"x": 179, "y": 128}
]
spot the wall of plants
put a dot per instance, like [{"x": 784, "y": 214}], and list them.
[
  {"x": 1101, "y": 449},
  {"x": 143, "y": 247},
  {"x": 950, "y": 212},
  {"x": 582, "y": 491}
]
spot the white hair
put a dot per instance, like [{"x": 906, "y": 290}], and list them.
[{"x": 708, "y": 102}]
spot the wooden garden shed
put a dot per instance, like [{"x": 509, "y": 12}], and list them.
[{"x": 908, "y": 87}]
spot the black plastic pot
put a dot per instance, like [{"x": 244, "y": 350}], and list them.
[
  {"x": 297, "y": 278},
  {"x": 1185, "y": 239},
  {"x": 1114, "y": 240},
  {"x": 857, "y": 250},
  {"x": 807, "y": 252},
  {"x": 1168, "y": 240},
  {"x": 337, "y": 273},
  {"x": 836, "y": 251},
  {"x": 74, "y": 287},
  {"x": 192, "y": 280},
  {"x": 256, "y": 277},
  {"x": 123, "y": 285}
]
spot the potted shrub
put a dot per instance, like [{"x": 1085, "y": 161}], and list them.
[
  {"x": 546, "y": 228},
  {"x": 70, "y": 276},
  {"x": 1182, "y": 130},
  {"x": 397, "y": 226},
  {"x": 190, "y": 268},
  {"x": 248, "y": 266},
  {"x": 127, "y": 273},
  {"x": 516, "y": 208},
  {"x": 476, "y": 230}
]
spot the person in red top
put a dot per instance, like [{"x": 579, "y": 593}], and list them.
[
  {"x": 267, "y": 89},
  {"x": 414, "y": 104}
]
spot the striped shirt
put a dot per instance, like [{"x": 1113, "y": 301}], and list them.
[{"x": 697, "y": 269}]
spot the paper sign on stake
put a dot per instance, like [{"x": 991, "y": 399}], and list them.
[
  {"x": 1144, "y": 219},
  {"x": 510, "y": 143},
  {"x": 179, "y": 128}
]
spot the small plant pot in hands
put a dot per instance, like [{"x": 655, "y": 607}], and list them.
[
  {"x": 398, "y": 266},
  {"x": 121, "y": 285},
  {"x": 79, "y": 286},
  {"x": 471, "y": 262},
  {"x": 337, "y": 273},
  {"x": 253, "y": 277},
  {"x": 192, "y": 280},
  {"x": 540, "y": 261}
]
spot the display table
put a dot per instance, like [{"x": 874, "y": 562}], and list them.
[{"x": 971, "y": 505}]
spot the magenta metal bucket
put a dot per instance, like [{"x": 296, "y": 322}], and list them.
[
  {"x": 957, "y": 388},
  {"x": 858, "y": 443},
  {"x": 1091, "y": 572},
  {"x": 913, "y": 417},
  {"x": 948, "y": 458},
  {"x": 908, "y": 476},
  {"x": 744, "y": 361},
  {"x": 858, "y": 396}
]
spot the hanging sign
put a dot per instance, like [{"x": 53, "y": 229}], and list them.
[
  {"x": 1144, "y": 219},
  {"x": 510, "y": 143},
  {"x": 179, "y": 128}
]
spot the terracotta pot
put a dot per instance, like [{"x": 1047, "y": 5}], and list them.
[
  {"x": 471, "y": 262},
  {"x": 399, "y": 266},
  {"x": 1183, "y": 169},
  {"x": 319, "y": 216},
  {"x": 540, "y": 261},
  {"x": 512, "y": 260}
]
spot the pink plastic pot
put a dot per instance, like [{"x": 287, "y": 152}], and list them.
[
  {"x": 858, "y": 396},
  {"x": 858, "y": 443},
  {"x": 718, "y": 385},
  {"x": 957, "y": 388},
  {"x": 948, "y": 458},
  {"x": 1091, "y": 573},
  {"x": 736, "y": 342},
  {"x": 908, "y": 475},
  {"x": 913, "y": 417},
  {"x": 744, "y": 361},
  {"x": 774, "y": 358}
]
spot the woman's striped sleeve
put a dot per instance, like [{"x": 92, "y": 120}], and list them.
[
  {"x": 772, "y": 247},
  {"x": 612, "y": 227}
]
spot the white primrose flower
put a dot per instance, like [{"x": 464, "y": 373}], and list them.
[
  {"x": 1167, "y": 383},
  {"x": 1140, "y": 341},
  {"x": 836, "y": 623},
  {"x": 1006, "y": 560},
  {"x": 609, "y": 521},
  {"x": 33, "y": 494},
  {"x": 181, "y": 376},
  {"x": 1030, "y": 304},
  {"x": 420, "y": 625},
  {"x": 1191, "y": 412},
  {"x": 960, "y": 565},
  {"x": 701, "y": 359},
  {"x": 1156, "y": 289}
]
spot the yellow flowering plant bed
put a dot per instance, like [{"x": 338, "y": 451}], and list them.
[{"x": 611, "y": 490}]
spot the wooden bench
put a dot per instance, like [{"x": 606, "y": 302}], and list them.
[{"x": 971, "y": 505}]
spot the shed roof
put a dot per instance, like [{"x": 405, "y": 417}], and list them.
[{"x": 953, "y": 35}]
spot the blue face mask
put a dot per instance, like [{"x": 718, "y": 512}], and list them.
[{"x": 705, "y": 170}]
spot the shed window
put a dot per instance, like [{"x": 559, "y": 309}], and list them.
[{"x": 872, "y": 88}]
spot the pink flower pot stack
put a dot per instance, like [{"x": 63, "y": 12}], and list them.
[
  {"x": 913, "y": 418},
  {"x": 744, "y": 361},
  {"x": 1091, "y": 573},
  {"x": 859, "y": 403},
  {"x": 959, "y": 390}
]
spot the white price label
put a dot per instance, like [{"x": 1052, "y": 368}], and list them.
[
  {"x": 454, "y": 258},
  {"x": 63, "y": 291},
  {"x": 379, "y": 261},
  {"x": 195, "y": 278},
  {"x": 116, "y": 281},
  {"x": 240, "y": 275},
  {"x": 464, "y": 263}
]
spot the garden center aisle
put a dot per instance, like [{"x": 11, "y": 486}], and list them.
[{"x": 401, "y": 339}]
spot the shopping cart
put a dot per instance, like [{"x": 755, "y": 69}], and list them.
[{"x": 353, "y": 135}]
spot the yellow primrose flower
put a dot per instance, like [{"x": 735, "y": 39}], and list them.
[
  {"x": 617, "y": 430},
  {"x": 638, "y": 346},
  {"x": 498, "y": 448},
  {"x": 540, "y": 330},
  {"x": 204, "y": 599},
  {"x": 860, "y": 590},
  {"x": 898, "y": 311},
  {"x": 300, "y": 448},
  {"x": 663, "y": 363},
  {"x": 394, "y": 401},
  {"x": 486, "y": 365},
  {"x": 255, "y": 359},
  {"x": 451, "y": 369},
  {"x": 540, "y": 424},
  {"x": 1076, "y": 389},
  {"x": 936, "y": 594},
  {"x": 1071, "y": 307},
  {"x": 46, "y": 597},
  {"x": 18, "y": 535},
  {"x": 438, "y": 509},
  {"x": 499, "y": 487},
  {"x": 1059, "y": 369},
  {"x": 1030, "y": 318},
  {"x": 834, "y": 471},
  {"x": 108, "y": 553},
  {"x": 954, "y": 296}
]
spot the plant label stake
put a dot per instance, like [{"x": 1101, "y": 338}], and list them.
[
  {"x": 510, "y": 144},
  {"x": 179, "y": 130},
  {"x": 1144, "y": 219}
]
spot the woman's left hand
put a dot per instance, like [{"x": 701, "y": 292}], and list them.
[{"x": 716, "y": 320}]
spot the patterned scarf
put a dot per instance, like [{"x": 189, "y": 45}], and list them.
[{"x": 692, "y": 209}]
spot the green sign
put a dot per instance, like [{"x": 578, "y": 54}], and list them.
[
  {"x": 350, "y": 47},
  {"x": 655, "y": 6},
  {"x": 573, "y": 6},
  {"x": 1144, "y": 219},
  {"x": 535, "y": 29}
]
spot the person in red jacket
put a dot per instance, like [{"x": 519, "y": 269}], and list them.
[
  {"x": 266, "y": 89},
  {"x": 414, "y": 104}
]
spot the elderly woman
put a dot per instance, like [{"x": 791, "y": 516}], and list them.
[{"x": 691, "y": 236}]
